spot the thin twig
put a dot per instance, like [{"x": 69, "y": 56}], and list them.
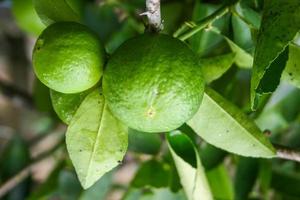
[
  {"x": 188, "y": 29},
  {"x": 154, "y": 15},
  {"x": 287, "y": 153},
  {"x": 24, "y": 173}
]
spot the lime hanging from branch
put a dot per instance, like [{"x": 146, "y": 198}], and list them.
[
  {"x": 68, "y": 57},
  {"x": 153, "y": 83}
]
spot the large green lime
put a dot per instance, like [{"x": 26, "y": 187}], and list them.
[
  {"x": 153, "y": 83},
  {"x": 26, "y": 17},
  {"x": 68, "y": 57}
]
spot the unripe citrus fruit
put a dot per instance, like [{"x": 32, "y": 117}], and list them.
[
  {"x": 68, "y": 57},
  {"x": 153, "y": 83}
]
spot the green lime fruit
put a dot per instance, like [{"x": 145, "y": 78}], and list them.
[
  {"x": 153, "y": 83},
  {"x": 26, "y": 17},
  {"x": 51, "y": 11},
  {"x": 68, "y": 57},
  {"x": 66, "y": 105}
]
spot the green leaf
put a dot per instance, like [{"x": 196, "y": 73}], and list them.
[
  {"x": 100, "y": 189},
  {"x": 140, "y": 142},
  {"x": 286, "y": 182},
  {"x": 214, "y": 67},
  {"x": 189, "y": 167},
  {"x": 223, "y": 125},
  {"x": 51, "y": 11},
  {"x": 206, "y": 41},
  {"x": 291, "y": 72},
  {"x": 280, "y": 23},
  {"x": 220, "y": 183},
  {"x": 243, "y": 59},
  {"x": 171, "y": 14},
  {"x": 65, "y": 105},
  {"x": 245, "y": 177},
  {"x": 211, "y": 156},
  {"x": 26, "y": 17},
  {"x": 241, "y": 33},
  {"x": 96, "y": 140},
  {"x": 152, "y": 173},
  {"x": 248, "y": 15}
]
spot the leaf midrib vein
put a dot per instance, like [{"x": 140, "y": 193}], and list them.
[{"x": 95, "y": 144}]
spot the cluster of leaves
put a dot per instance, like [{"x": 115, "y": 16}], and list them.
[{"x": 232, "y": 39}]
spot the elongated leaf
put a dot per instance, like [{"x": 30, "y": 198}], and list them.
[
  {"x": 214, "y": 67},
  {"x": 243, "y": 59},
  {"x": 191, "y": 172},
  {"x": 51, "y": 11},
  {"x": 211, "y": 156},
  {"x": 280, "y": 23},
  {"x": 96, "y": 141},
  {"x": 100, "y": 189},
  {"x": 245, "y": 177},
  {"x": 140, "y": 142},
  {"x": 286, "y": 182},
  {"x": 220, "y": 183},
  {"x": 225, "y": 126},
  {"x": 291, "y": 72},
  {"x": 152, "y": 173}
]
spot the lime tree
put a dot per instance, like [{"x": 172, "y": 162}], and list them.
[
  {"x": 68, "y": 57},
  {"x": 153, "y": 83}
]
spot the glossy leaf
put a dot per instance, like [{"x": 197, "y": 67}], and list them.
[
  {"x": 190, "y": 170},
  {"x": 223, "y": 125},
  {"x": 206, "y": 41},
  {"x": 65, "y": 105},
  {"x": 245, "y": 177},
  {"x": 291, "y": 72},
  {"x": 220, "y": 183},
  {"x": 147, "y": 143},
  {"x": 26, "y": 17},
  {"x": 242, "y": 59},
  {"x": 51, "y": 11},
  {"x": 100, "y": 189},
  {"x": 286, "y": 182},
  {"x": 96, "y": 140},
  {"x": 214, "y": 67},
  {"x": 211, "y": 156},
  {"x": 280, "y": 23},
  {"x": 152, "y": 173}
]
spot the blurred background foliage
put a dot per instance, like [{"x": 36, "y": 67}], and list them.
[{"x": 29, "y": 127}]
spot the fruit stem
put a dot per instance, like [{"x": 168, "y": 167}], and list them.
[
  {"x": 184, "y": 33},
  {"x": 154, "y": 15}
]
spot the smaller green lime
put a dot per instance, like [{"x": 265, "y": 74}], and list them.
[
  {"x": 68, "y": 57},
  {"x": 66, "y": 105}
]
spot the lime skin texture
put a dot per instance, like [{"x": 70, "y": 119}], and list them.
[
  {"x": 68, "y": 57},
  {"x": 153, "y": 83}
]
